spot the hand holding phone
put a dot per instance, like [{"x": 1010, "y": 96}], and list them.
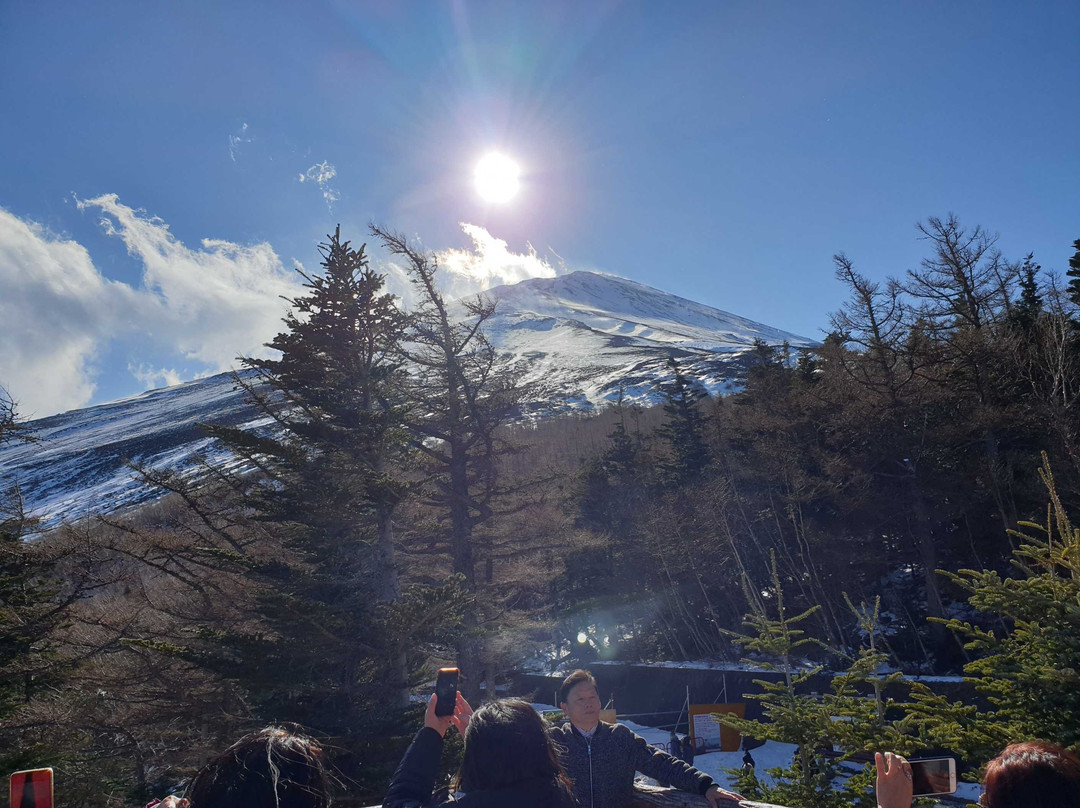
[
  {"x": 460, "y": 711},
  {"x": 32, "y": 788},
  {"x": 893, "y": 786},
  {"x": 931, "y": 776}
]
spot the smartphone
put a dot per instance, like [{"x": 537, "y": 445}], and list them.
[
  {"x": 931, "y": 776},
  {"x": 446, "y": 689},
  {"x": 32, "y": 788}
]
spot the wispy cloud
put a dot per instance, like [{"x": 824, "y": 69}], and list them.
[
  {"x": 207, "y": 304},
  {"x": 236, "y": 141},
  {"x": 491, "y": 262},
  {"x": 488, "y": 264},
  {"x": 151, "y": 378},
  {"x": 210, "y": 303},
  {"x": 321, "y": 174}
]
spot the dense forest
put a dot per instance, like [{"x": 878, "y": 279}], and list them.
[{"x": 901, "y": 493}]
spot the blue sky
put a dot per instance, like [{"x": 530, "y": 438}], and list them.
[{"x": 722, "y": 151}]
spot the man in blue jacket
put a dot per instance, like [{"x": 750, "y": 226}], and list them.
[{"x": 601, "y": 759}]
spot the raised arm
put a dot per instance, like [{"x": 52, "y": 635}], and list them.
[{"x": 414, "y": 780}]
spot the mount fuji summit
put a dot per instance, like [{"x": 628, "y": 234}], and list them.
[
  {"x": 578, "y": 340},
  {"x": 586, "y": 335}
]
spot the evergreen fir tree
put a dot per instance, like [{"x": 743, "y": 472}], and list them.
[
  {"x": 611, "y": 481},
  {"x": 1028, "y": 659},
  {"x": 684, "y": 429},
  {"x": 29, "y": 607},
  {"x": 779, "y": 644},
  {"x": 335, "y": 645},
  {"x": 1072, "y": 290},
  {"x": 1024, "y": 313},
  {"x": 858, "y": 715}
]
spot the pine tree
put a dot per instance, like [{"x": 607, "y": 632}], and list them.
[
  {"x": 30, "y": 609},
  {"x": 1025, "y": 312},
  {"x": 859, "y": 713},
  {"x": 1028, "y": 654},
  {"x": 1073, "y": 273},
  {"x": 461, "y": 394},
  {"x": 684, "y": 428},
  {"x": 779, "y": 644},
  {"x": 340, "y": 380},
  {"x": 611, "y": 482},
  {"x": 331, "y": 642}
]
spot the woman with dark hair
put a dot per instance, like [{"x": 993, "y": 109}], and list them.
[
  {"x": 271, "y": 768},
  {"x": 1026, "y": 775},
  {"x": 509, "y": 760}
]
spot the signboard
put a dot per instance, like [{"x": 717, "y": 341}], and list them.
[
  {"x": 31, "y": 789},
  {"x": 707, "y": 733}
]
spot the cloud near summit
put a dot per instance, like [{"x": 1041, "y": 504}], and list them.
[{"x": 490, "y": 263}]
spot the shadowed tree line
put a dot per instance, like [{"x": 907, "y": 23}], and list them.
[{"x": 906, "y": 443}]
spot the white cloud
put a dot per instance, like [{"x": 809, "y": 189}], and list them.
[
  {"x": 55, "y": 309},
  {"x": 321, "y": 174},
  {"x": 58, "y": 312},
  {"x": 488, "y": 264},
  {"x": 211, "y": 304},
  {"x": 151, "y": 379},
  {"x": 237, "y": 141}
]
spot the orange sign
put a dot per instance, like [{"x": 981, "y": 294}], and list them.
[{"x": 708, "y": 734}]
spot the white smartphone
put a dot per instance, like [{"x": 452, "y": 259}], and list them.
[{"x": 930, "y": 776}]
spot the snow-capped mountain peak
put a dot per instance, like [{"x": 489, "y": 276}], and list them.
[{"x": 578, "y": 339}]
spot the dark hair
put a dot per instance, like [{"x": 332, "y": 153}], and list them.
[
  {"x": 574, "y": 679},
  {"x": 1033, "y": 775},
  {"x": 507, "y": 744},
  {"x": 271, "y": 768}
]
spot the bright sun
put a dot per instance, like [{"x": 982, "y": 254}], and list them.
[{"x": 497, "y": 178}]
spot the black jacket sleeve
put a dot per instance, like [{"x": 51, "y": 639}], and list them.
[
  {"x": 415, "y": 777},
  {"x": 661, "y": 766}
]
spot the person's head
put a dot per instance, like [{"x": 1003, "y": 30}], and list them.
[
  {"x": 271, "y": 768},
  {"x": 507, "y": 744},
  {"x": 1032, "y": 775},
  {"x": 579, "y": 699}
]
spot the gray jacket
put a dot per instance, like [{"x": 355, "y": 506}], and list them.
[{"x": 603, "y": 767}]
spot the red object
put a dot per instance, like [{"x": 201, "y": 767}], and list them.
[{"x": 31, "y": 789}]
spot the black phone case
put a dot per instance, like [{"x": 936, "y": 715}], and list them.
[{"x": 446, "y": 689}]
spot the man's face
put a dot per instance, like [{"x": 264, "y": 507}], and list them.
[{"x": 582, "y": 706}]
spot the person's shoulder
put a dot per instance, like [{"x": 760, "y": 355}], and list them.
[{"x": 621, "y": 733}]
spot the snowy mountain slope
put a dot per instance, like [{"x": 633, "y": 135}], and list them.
[
  {"x": 79, "y": 461},
  {"x": 584, "y": 335},
  {"x": 578, "y": 338}
]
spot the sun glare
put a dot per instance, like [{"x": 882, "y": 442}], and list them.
[{"x": 497, "y": 178}]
